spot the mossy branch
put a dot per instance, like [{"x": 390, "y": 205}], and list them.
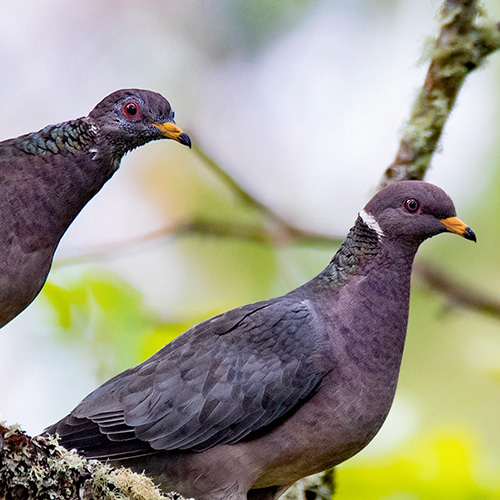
[
  {"x": 38, "y": 469},
  {"x": 466, "y": 38}
]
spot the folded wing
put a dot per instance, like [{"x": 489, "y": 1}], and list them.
[{"x": 219, "y": 382}]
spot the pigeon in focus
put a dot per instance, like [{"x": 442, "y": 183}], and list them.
[{"x": 242, "y": 405}]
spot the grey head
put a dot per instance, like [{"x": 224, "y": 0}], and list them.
[
  {"x": 412, "y": 211},
  {"x": 399, "y": 217},
  {"x": 129, "y": 118}
]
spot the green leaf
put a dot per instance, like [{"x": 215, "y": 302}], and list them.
[{"x": 105, "y": 316}]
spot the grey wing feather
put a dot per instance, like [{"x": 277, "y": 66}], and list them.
[{"x": 217, "y": 383}]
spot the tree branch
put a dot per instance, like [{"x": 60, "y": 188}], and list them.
[
  {"x": 240, "y": 191},
  {"x": 458, "y": 293},
  {"x": 464, "y": 41},
  {"x": 455, "y": 291},
  {"x": 38, "y": 469},
  {"x": 253, "y": 233}
]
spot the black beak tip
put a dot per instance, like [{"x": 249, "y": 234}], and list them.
[
  {"x": 470, "y": 234},
  {"x": 185, "y": 140}
]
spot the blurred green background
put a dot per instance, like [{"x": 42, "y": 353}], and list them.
[{"x": 301, "y": 102}]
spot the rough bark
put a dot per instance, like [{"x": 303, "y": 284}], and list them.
[{"x": 39, "y": 469}]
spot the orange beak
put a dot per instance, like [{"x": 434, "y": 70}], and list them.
[
  {"x": 455, "y": 225},
  {"x": 172, "y": 131}
]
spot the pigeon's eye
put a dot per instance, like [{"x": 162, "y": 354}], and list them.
[
  {"x": 411, "y": 205},
  {"x": 131, "y": 110}
]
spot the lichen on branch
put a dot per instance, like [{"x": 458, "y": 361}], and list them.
[
  {"x": 38, "y": 469},
  {"x": 466, "y": 38}
]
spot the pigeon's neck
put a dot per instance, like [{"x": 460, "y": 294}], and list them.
[
  {"x": 61, "y": 171},
  {"x": 358, "y": 250},
  {"x": 62, "y": 138},
  {"x": 369, "y": 280}
]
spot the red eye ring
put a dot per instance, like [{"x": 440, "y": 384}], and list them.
[
  {"x": 411, "y": 205},
  {"x": 131, "y": 109}
]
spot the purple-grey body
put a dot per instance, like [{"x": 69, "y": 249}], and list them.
[{"x": 244, "y": 404}]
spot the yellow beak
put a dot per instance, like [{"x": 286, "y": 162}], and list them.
[
  {"x": 455, "y": 225},
  {"x": 172, "y": 131}
]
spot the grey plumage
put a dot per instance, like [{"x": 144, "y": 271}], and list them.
[
  {"x": 47, "y": 177},
  {"x": 242, "y": 405}
]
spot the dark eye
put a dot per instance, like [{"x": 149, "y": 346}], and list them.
[
  {"x": 411, "y": 205},
  {"x": 131, "y": 110}
]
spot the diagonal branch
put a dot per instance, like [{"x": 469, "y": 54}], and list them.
[
  {"x": 455, "y": 291},
  {"x": 285, "y": 228},
  {"x": 464, "y": 41},
  {"x": 253, "y": 233}
]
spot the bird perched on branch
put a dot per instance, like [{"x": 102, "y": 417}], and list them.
[
  {"x": 244, "y": 404},
  {"x": 47, "y": 177}
]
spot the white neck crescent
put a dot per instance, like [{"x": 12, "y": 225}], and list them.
[{"x": 371, "y": 222}]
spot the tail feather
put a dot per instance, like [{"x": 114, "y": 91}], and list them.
[{"x": 107, "y": 441}]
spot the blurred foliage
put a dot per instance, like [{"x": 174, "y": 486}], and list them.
[
  {"x": 226, "y": 272},
  {"x": 445, "y": 464},
  {"x": 104, "y": 314},
  {"x": 255, "y": 22}
]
